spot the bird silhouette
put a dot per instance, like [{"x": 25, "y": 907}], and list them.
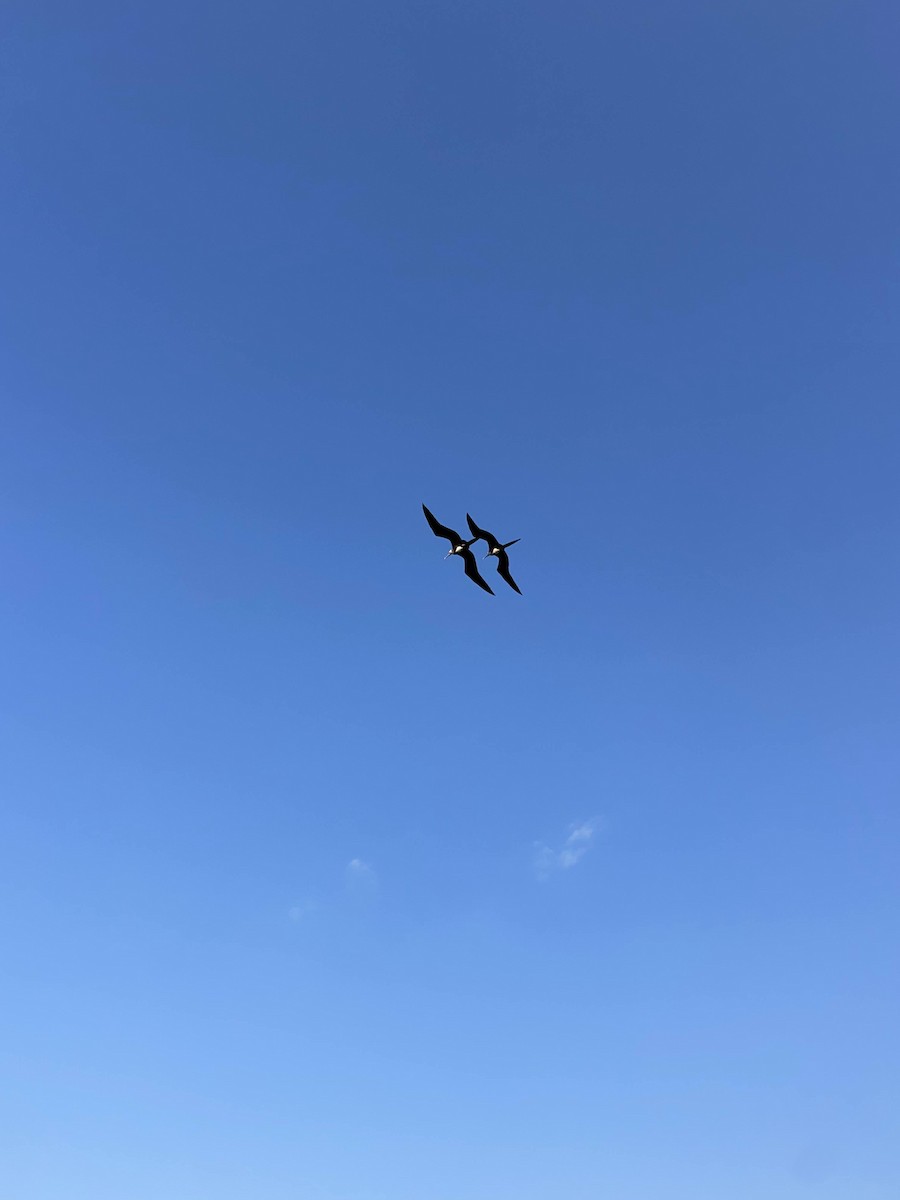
[
  {"x": 458, "y": 546},
  {"x": 497, "y": 549}
]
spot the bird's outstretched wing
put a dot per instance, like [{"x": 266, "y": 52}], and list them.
[
  {"x": 440, "y": 530},
  {"x": 482, "y": 533},
  {"x": 472, "y": 570},
  {"x": 503, "y": 571}
]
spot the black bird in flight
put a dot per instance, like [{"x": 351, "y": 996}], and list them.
[
  {"x": 498, "y": 550},
  {"x": 458, "y": 545}
]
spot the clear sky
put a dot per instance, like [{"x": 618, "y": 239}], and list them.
[{"x": 323, "y": 875}]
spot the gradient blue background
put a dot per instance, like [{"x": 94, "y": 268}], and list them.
[{"x": 622, "y": 281}]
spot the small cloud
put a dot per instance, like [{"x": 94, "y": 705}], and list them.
[
  {"x": 360, "y": 877},
  {"x": 574, "y": 848},
  {"x": 298, "y": 911}
]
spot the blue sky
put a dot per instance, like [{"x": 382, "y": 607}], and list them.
[{"x": 324, "y": 876}]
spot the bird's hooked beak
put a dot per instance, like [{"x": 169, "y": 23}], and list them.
[{"x": 447, "y": 555}]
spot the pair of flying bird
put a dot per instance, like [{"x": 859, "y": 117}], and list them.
[{"x": 458, "y": 545}]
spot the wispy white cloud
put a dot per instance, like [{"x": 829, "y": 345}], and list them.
[
  {"x": 360, "y": 877},
  {"x": 579, "y": 839},
  {"x": 356, "y": 866},
  {"x": 300, "y": 910}
]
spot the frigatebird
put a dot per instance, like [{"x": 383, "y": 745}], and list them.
[
  {"x": 498, "y": 550},
  {"x": 458, "y": 545}
]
